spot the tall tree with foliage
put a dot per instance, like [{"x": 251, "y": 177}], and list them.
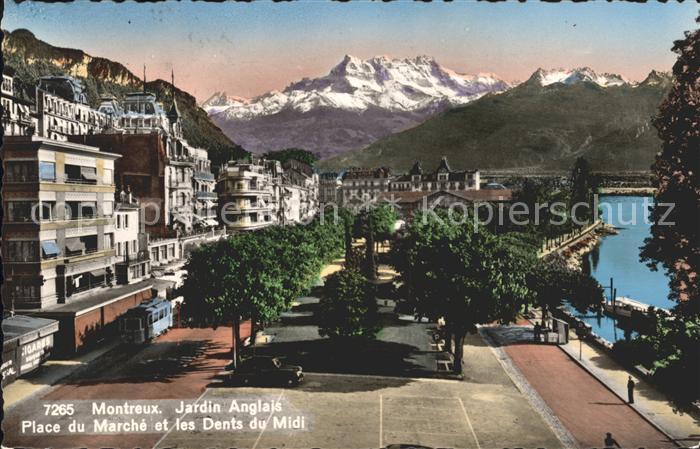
[
  {"x": 255, "y": 276},
  {"x": 462, "y": 273},
  {"x": 374, "y": 224},
  {"x": 583, "y": 187},
  {"x": 676, "y": 246},
  {"x": 348, "y": 309}
]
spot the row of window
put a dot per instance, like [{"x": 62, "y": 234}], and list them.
[
  {"x": 29, "y": 250},
  {"x": 164, "y": 252},
  {"x": 29, "y": 171},
  {"x": 29, "y": 211},
  {"x": 123, "y": 248},
  {"x": 122, "y": 221}
]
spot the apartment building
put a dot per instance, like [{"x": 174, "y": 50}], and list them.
[
  {"x": 330, "y": 188},
  {"x": 299, "y": 192},
  {"x": 130, "y": 241},
  {"x": 248, "y": 194},
  {"x": 58, "y": 234}
]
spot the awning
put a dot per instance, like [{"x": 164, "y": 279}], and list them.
[
  {"x": 49, "y": 248},
  {"x": 88, "y": 173},
  {"x": 97, "y": 273},
  {"x": 74, "y": 244}
]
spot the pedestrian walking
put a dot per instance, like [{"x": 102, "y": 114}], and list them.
[
  {"x": 538, "y": 330},
  {"x": 610, "y": 442},
  {"x": 630, "y": 390}
]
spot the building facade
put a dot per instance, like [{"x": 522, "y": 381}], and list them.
[
  {"x": 58, "y": 234},
  {"x": 364, "y": 185},
  {"x": 18, "y": 113},
  {"x": 130, "y": 241},
  {"x": 205, "y": 197},
  {"x": 299, "y": 192},
  {"x": 330, "y": 188},
  {"x": 443, "y": 178},
  {"x": 62, "y": 110},
  {"x": 248, "y": 194}
]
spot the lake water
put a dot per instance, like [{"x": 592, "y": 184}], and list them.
[{"x": 617, "y": 256}]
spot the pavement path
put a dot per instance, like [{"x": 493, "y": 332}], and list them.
[
  {"x": 683, "y": 426},
  {"x": 581, "y": 402}
]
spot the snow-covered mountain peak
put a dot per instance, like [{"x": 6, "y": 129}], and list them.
[
  {"x": 355, "y": 84},
  {"x": 582, "y": 74}
]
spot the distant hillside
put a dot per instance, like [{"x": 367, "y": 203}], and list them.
[
  {"x": 532, "y": 126},
  {"x": 32, "y": 58}
]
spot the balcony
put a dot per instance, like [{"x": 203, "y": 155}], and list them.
[
  {"x": 135, "y": 259},
  {"x": 200, "y": 195},
  {"x": 205, "y": 176},
  {"x": 182, "y": 160}
]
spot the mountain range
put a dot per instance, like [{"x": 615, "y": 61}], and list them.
[
  {"x": 356, "y": 103},
  {"x": 545, "y": 122},
  {"x": 32, "y": 58},
  {"x": 391, "y": 112}
]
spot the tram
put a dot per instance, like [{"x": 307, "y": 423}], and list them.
[{"x": 146, "y": 321}]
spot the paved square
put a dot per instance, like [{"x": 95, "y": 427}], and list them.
[{"x": 354, "y": 411}]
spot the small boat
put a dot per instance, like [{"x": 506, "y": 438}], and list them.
[{"x": 623, "y": 306}]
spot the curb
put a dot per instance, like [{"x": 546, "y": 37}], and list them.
[{"x": 632, "y": 406}]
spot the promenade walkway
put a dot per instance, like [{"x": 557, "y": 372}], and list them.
[{"x": 682, "y": 426}]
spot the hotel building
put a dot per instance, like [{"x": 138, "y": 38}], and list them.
[
  {"x": 364, "y": 185},
  {"x": 442, "y": 179}
]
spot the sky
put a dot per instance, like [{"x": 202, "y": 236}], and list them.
[{"x": 247, "y": 49}]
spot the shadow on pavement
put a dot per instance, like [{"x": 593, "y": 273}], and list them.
[
  {"x": 324, "y": 355},
  {"x": 158, "y": 361}
]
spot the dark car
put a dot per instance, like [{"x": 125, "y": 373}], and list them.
[{"x": 267, "y": 371}]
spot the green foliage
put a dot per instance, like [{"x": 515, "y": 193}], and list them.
[
  {"x": 671, "y": 354},
  {"x": 297, "y": 154},
  {"x": 677, "y": 247},
  {"x": 348, "y": 309},
  {"x": 460, "y": 272},
  {"x": 528, "y": 126},
  {"x": 257, "y": 275},
  {"x": 583, "y": 187}
]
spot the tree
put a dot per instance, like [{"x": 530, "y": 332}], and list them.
[
  {"x": 255, "y": 276},
  {"x": 670, "y": 352},
  {"x": 582, "y": 189},
  {"x": 462, "y": 273},
  {"x": 348, "y": 309},
  {"x": 677, "y": 247},
  {"x": 551, "y": 284},
  {"x": 374, "y": 224},
  {"x": 298, "y": 154}
]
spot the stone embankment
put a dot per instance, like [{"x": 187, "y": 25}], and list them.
[{"x": 571, "y": 253}]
